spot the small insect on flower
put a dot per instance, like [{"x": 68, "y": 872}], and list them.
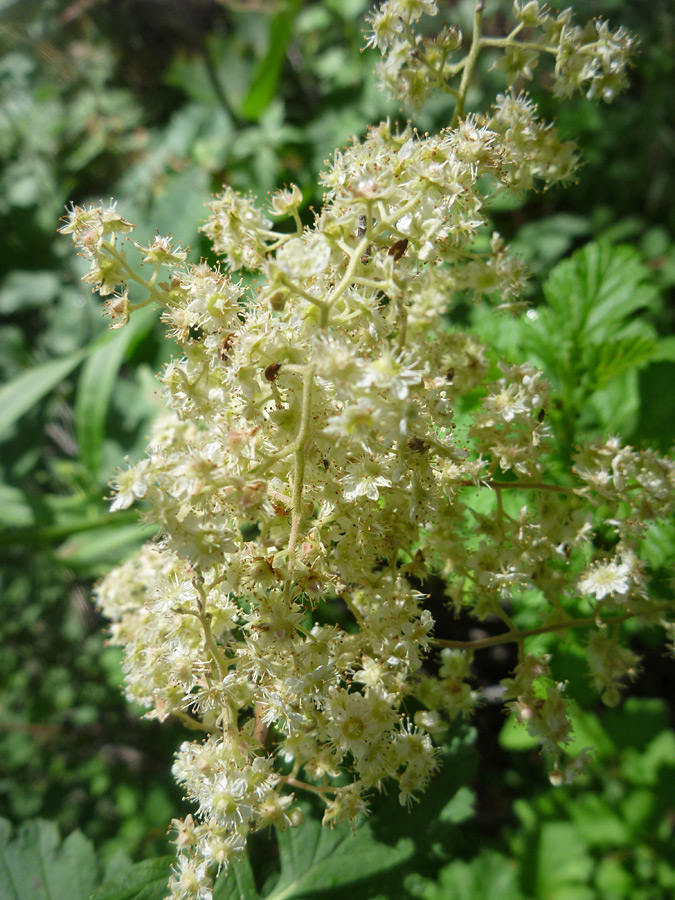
[
  {"x": 272, "y": 371},
  {"x": 226, "y": 346},
  {"x": 398, "y": 248}
]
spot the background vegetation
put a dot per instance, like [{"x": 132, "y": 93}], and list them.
[{"x": 157, "y": 103}]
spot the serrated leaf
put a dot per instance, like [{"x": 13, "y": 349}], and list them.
[
  {"x": 36, "y": 865},
  {"x": 145, "y": 880},
  {"x": 314, "y": 858},
  {"x": 371, "y": 858},
  {"x": 598, "y": 288},
  {"x": 614, "y": 357}
]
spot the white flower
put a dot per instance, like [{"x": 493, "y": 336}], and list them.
[
  {"x": 605, "y": 579},
  {"x": 395, "y": 372},
  {"x": 364, "y": 480},
  {"x": 304, "y": 257}
]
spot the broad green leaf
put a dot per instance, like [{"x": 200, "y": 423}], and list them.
[
  {"x": 36, "y": 865},
  {"x": 599, "y": 822},
  {"x": 614, "y": 879},
  {"x": 653, "y": 765},
  {"x": 371, "y": 858},
  {"x": 589, "y": 731},
  {"x": 96, "y": 384},
  {"x": 488, "y": 875},
  {"x": 145, "y": 880},
  {"x": 236, "y": 882},
  {"x": 23, "y": 392},
  {"x": 615, "y": 408},
  {"x": 659, "y": 544},
  {"x": 66, "y": 527},
  {"x": 636, "y": 722},
  {"x": 612, "y": 358},
  {"x": 563, "y": 863},
  {"x": 314, "y": 858},
  {"x": 266, "y": 79},
  {"x": 665, "y": 350},
  {"x": 598, "y": 287}
]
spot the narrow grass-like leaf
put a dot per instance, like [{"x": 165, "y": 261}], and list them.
[
  {"x": 23, "y": 392},
  {"x": 96, "y": 385},
  {"x": 15, "y": 510},
  {"x": 88, "y": 551},
  {"x": 266, "y": 79}
]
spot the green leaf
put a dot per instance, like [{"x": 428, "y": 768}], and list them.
[
  {"x": 371, "y": 858},
  {"x": 488, "y": 875},
  {"x": 266, "y": 79},
  {"x": 236, "y": 882},
  {"x": 514, "y": 736},
  {"x": 612, "y": 358},
  {"x": 15, "y": 509},
  {"x": 96, "y": 384},
  {"x": 23, "y": 392},
  {"x": 90, "y": 551},
  {"x": 636, "y": 722},
  {"x": 659, "y": 544},
  {"x": 563, "y": 863},
  {"x": 598, "y": 288},
  {"x": 314, "y": 858},
  {"x": 36, "y": 865},
  {"x": 656, "y": 421},
  {"x": 22, "y": 291},
  {"x": 145, "y": 880}
]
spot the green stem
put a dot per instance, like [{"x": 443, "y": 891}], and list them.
[
  {"x": 288, "y": 779},
  {"x": 509, "y": 636},
  {"x": 299, "y": 468},
  {"x": 189, "y": 722},
  {"x": 132, "y": 276},
  {"x": 296, "y": 289},
  {"x": 471, "y": 60},
  {"x": 346, "y": 279}
]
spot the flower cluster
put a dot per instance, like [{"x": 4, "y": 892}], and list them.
[
  {"x": 329, "y": 442},
  {"x": 592, "y": 59}
]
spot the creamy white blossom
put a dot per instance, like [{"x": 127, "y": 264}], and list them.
[{"x": 330, "y": 440}]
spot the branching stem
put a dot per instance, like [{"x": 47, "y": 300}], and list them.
[{"x": 508, "y": 636}]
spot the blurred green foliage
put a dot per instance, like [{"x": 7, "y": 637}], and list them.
[{"x": 158, "y": 110}]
